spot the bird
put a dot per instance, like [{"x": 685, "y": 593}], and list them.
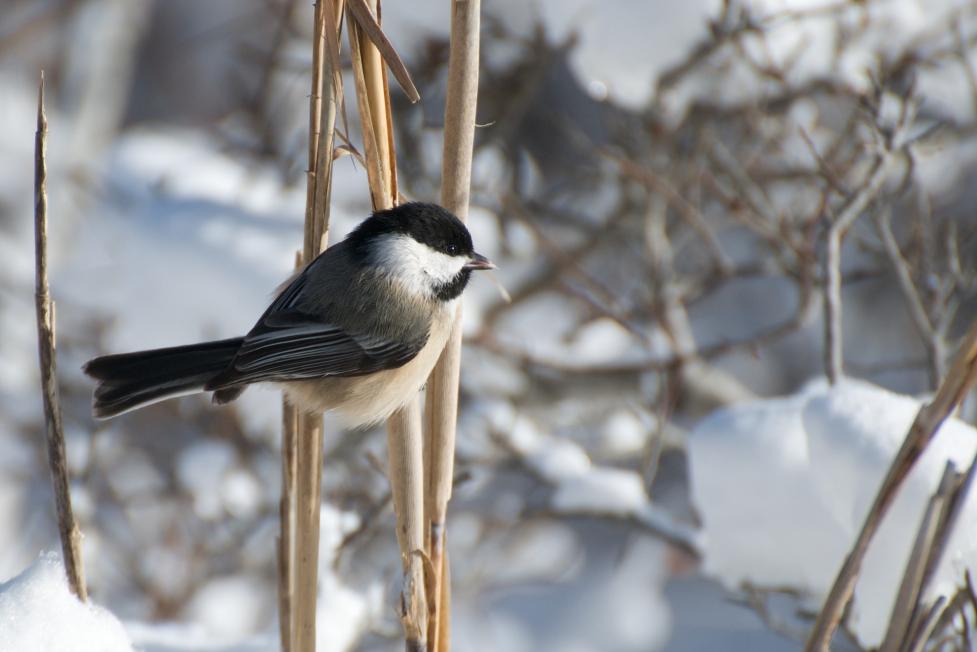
[{"x": 355, "y": 332}]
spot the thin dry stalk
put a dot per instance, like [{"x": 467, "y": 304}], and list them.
[
  {"x": 406, "y": 481},
  {"x": 441, "y": 404},
  {"x": 931, "y": 336},
  {"x": 368, "y": 23},
  {"x": 404, "y": 440},
  {"x": 910, "y": 591},
  {"x": 286, "y": 514},
  {"x": 308, "y": 473},
  {"x": 332, "y": 99},
  {"x": 57, "y": 458},
  {"x": 953, "y": 507},
  {"x": 928, "y": 625},
  {"x": 443, "y": 632},
  {"x": 373, "y": 103},
  {"x": 306, "y": 446},
  {"x": 957, "y": 383}
]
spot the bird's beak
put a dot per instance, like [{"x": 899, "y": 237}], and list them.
[{"x": 478, "y": 261}]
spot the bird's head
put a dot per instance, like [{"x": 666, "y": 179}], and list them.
[{"x": 422, "y": 246}]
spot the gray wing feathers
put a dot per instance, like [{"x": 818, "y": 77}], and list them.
[
  {"x": 311, "y": 350},
  {"x": 303, "y": 334}
]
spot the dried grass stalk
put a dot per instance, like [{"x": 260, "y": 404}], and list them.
[
  {"x": 406, "y": 483},
  {"x": 441, "y": 408},
  {"x": 306, "y": 446},
  {"x": 286, "y": 515},
  {"x": 911, "y": 588},
  {"x": 308, "y": 473},
  {"x": 57, "y": 458},
  {"x": 369, "y": 25},
  {"x": 405, "y": 444}
]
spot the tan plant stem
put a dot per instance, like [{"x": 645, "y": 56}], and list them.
[
  {"x": 913, "y": 579},
  {"x": 405, "y": 444},
  {"x": 406, "y": 482},
  {"x": 46, "y": 348},
  {"x": 307, "y": 443},
  {"x": 286, "y": 514},
  {"x": 308, "y": 472},
  {"x": 441, "y": 407}
]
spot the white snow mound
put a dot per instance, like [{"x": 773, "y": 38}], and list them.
[
  {"x": 784, "y": 484},
  {"x": 39, "y": 613}
]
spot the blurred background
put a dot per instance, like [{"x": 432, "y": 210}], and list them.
[{"x": 657, "y": 181}]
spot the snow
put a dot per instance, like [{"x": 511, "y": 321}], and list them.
[
  {"x": 625, "y": 433},
  {"x": 200, "y": 470},
  {"x": 784, "y": 484},
  {"x": 39, "y": 596},
  {"x": 582, "y": 488},
  {"x": 223, "y": 603},
  {"x": 39, "y": 613}
]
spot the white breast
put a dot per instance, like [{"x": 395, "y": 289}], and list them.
[{"x": 366, "y": 400}]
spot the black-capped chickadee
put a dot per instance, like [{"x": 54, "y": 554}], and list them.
[{"x": 357, "y": 331}]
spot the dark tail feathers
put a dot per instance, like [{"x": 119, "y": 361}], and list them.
[{"x": 130, "y": 380}]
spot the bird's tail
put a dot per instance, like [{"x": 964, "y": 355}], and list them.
[{"x": 131, "y": 380}]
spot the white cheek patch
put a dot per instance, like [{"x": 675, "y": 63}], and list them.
[{"x": 418, "y": 266}]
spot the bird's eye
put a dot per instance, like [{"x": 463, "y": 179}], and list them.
[{"x": 453, "y": 249}]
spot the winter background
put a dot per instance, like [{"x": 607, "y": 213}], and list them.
[{"x": 649, "y": 456}]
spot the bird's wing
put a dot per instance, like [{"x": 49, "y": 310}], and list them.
[
  {"x": 296, "y": 339},
  {"x": 293, "y": 346}
]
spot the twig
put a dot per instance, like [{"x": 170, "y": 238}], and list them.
[
  {"x": 57, "y": 458},
  {"x": 853, "y": 208},
  {"x": 689, "y": 212},
  {"x": 959, "y": 380},
  {"x": 932, "y": 338}
]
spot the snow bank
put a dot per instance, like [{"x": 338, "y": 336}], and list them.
[
  {"x": 784, "y": 484},
  {"x": 39, "y": 613}
]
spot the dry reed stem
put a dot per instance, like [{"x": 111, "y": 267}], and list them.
[
  {"x": 46, "y": 349},
  {"x": 910, "y": 590},
  {"x": 404, "y": 441},
  {"x": 332, "y": 98},
  {"x": 307, "y": 444},
  {"x": 406, "y": 483},
  {"x": 375, "y": 173},
  {"x": 308, "y": 472},
  {"x": 958, "y": 381},
  {"x": 924, "y": 619},
  {"x": 441, "y": 406},
  {"x": 442, "y": 618},
  {"x": 927, "y": 626},
  {"x": 368, "y": 23},
  {"x": 286, "y": 515}
]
